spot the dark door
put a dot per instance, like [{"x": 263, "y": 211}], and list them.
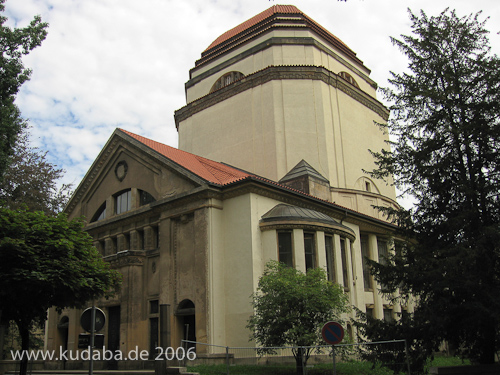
[{"x": 113, "y": 335}]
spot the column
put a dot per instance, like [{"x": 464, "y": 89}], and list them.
[{"x": 299, "y": 255}]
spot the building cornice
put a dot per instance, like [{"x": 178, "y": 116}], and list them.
[
  {"x": 286, "y": 195},
  {"x": 276, "y": 21},
  {"x": 271, "y": 42},
  {"x": 274, "y": 73}
]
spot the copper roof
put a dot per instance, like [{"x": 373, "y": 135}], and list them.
[{"x": 208, "y": 170}]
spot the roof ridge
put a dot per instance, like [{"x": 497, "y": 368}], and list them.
[
  {"x": 253, "y": 23},
  {"x": 235, "y": 174},
  {"x": 292, "y": 9},
  {"x": 209, "y": 170}
]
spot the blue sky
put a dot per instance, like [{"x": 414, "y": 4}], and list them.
[{"x": 123, "y": 63}]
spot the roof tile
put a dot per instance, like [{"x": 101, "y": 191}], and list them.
[
  {"x": 289, "y": 9},
  {"x": 277, "y": 9},
  {"x": 208, "y": 170}
]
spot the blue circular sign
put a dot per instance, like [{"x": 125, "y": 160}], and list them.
[{"x": 332, "y": 333}]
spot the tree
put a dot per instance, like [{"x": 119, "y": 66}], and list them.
[
  {"x": 14, "y": 44},
  {"x": 47, "y": 261},
  {"x": 30, "y": 181},
  {"x": 445, "y": 126},
  {"x": 290, "y": 308}
]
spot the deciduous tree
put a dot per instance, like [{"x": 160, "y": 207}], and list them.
[
  {"x": 47, "y": 261},
  {"x": 31, "y": 181},
  {"x": 445, "y": 153},
  {"x": 291, "y": 307},
  {"x": 14, "y": 44}
]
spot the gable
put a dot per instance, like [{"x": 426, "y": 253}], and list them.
[{"x": 121, "y": 166}]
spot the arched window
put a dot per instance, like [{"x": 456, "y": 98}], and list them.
[
  {"x": 123, "y": 201},
  {"x": 186, "y": 321},
  {"x": 100, "y": 213},
  {"x": 145, "y": 198},
  {"x": 349, "y": 78},
  {"x": 226, "y": 79}
]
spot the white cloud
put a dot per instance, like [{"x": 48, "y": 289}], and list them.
[{"x": 123, "y": 63}]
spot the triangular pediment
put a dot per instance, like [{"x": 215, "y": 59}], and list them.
[{"x": 129, "y": 163}]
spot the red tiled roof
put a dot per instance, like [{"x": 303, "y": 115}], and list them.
[
  {"x": 208, "y": 170},
  {"x": 290, "y": 9},
  {"x": 277, "y": 9},
  {"x": 219, "y": 173}
]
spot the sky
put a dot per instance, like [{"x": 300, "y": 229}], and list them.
[{"x": 123, "y": 63}]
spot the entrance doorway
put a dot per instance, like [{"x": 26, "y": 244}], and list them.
[
  {"x": 62, "y": 332},
  {"x": 113, "y": 335},
  {"x": 186, "y": 322}
]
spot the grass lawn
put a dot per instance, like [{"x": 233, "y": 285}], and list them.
[{"x": 343, "y": 368}]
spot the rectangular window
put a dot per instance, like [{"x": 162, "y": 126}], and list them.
[
  {"x": 382, "y": 257},
  {"x": 365, "y": 254},
  {"x": 343, "y": 253},
  {"x": 310, "y": 250},
  {"x": 156, "y": 237},
  {"x": 330, "y": 258},
  {"x": 153, "y": 337},
  {"x": 285, "y": 249},
  {"x": 388, "y": 317},
  {"x": 154, "y": 307},
  {"x": 124, "y": 202},
  {"x": 114, "y": 245},
  {"x": 369, "y": 312},
  {"x": 382, "y": 251},
  {"x": 140, "y": 239},
  {"x": 102, "y": 247}
]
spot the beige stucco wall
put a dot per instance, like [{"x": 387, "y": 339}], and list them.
[
  {"x": 243, "y": 249},
  {"x": 268, "y": 129}
]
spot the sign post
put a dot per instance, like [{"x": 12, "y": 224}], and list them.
[
  {"x": 333, "y": 333},
  {"x": 92, "y": 334},
  {"x": 92, "y": 320}
]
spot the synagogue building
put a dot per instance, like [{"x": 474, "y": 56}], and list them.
[{"x": 274, "y": 139}]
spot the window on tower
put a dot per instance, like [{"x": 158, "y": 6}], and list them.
[
  {"x": 226, "y": 80},
  {"x": 349, "y": 78}
]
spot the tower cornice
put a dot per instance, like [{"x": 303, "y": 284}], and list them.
[{"x": 283, "y": 72}]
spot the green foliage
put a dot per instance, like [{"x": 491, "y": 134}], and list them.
[
  {"x": 14, "y": 44},
  {"x": 30, "y": 181},
  {"x": 393, "y": 356},
  {"x": 343, "y": 368},
  {"x": 47, "y": 261},
  {"x": 446, "y": 128},
  {"x": 12, "y": 339},
  {"x": 291, "y": 307}
]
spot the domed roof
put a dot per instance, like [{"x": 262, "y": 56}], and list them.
[
  {"x": 286, "y": 211},
  {"x": 288, "y": 215}
]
